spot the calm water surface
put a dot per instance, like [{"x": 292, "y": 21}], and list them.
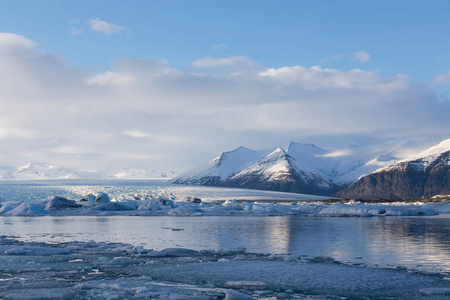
[{"x": 419, "y": 243}]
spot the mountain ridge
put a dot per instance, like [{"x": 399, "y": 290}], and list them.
[
  {"x": 309, "y": 169},
  {"x": 38, "y": 171},
  {"x": 423, "y": 175}
]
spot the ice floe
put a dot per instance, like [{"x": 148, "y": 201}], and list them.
[
  {"x": 94, "y": 270},
  {"x": 60, "y": 202},
  {"x": 162, "y": 206}
]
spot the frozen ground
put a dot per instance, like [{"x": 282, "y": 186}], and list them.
[{"x": 95, "y": 270}]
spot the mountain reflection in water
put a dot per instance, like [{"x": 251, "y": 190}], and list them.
[{"x": 420, "y": 243}]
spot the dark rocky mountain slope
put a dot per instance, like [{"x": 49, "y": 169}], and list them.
[{"x": 420, "y": 177}]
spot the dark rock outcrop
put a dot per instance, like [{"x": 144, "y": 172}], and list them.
[
  {"x": 290, "y": 183},
  {"x": 418, "y": 178}
]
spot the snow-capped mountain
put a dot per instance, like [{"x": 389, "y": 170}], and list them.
[
  {"x": 33, "y": 170},
  {"x": 221, "y": 167},
  {"x": 423, "y": 175},
  {"x": 279, "y": 171},
  {"x": 302, "y": 168}
]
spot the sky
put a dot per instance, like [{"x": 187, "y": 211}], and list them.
[{"x": 171, "y": 84}]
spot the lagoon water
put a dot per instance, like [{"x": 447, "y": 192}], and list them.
[{"x": 416, "y": 243}]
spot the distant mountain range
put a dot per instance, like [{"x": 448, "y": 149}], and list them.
[
  {"x": 353, "y": 172},
  {"x": 31, "y": 171},
  {"x": 394, "y": 170}
]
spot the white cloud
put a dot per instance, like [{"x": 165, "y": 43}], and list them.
[
  {"x": 105, "y": 27},
  {"x": 331, "y": 58},
  {"x": 9, "y": 132},
  {"x": 11, "y": 41},
  {"x": 136, "y": 133},
  {"x": 111, "y": 78},
  {"x": 210, "y": 62},
  {"x": 337, "y": 153},
  {"x": 173, "y": 119},
  {"x": 318, "y": 78},
  {"x": 139, "y": 134},
  {"x": 441, "y": 79},
  {"x": 219, "y": 47},
  {"x": 75, "y": 31},
  {"x": 362, "y": 56}
]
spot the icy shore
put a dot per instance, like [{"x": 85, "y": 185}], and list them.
[
  {"x": 102, "y": 205},
  {"x": 91, "y": 270}
]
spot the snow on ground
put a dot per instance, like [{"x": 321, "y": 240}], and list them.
[{"x": 80, "y": 270}]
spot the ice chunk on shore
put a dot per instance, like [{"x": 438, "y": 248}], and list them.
[
  {"x": 156, "y": 204},
  {"x": 28, "y": 209},
  {"x": 115, "y": 206},
  {"x": 246, "y": 284},
  {"x": 235, "y": 295},
  {"x": 440, "y": 207},
  {"x": 231, "y": 203},
  {"x": 87, "y": 200},
  {"x": 7, "y": 206},
  {"x": 365, "y": 210},
  {"x": 33, "y": 250},
  {"x": 102, "y": 198},
  {"x": 58, "y": 202}
]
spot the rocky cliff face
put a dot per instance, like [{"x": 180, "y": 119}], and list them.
[{"x": 422, "y": 177}]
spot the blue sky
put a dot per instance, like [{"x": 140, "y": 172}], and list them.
[
  {"x": 171, "y": 84},
  {"x": 408, "y": 37}
]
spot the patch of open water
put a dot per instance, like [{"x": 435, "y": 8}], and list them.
[{"x": 417, "y": 243}]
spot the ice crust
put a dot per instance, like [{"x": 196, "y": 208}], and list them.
[
  {"x": 162, "y": 206},
  {"x": 92, "y": 270}
]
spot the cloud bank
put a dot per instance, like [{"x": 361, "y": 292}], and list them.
[{"x": 146, "y": 114}]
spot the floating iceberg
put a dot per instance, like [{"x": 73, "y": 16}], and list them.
[{"x": 103, "y": 205}]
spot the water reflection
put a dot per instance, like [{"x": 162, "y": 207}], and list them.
[{"x": 413, "y": 242}]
